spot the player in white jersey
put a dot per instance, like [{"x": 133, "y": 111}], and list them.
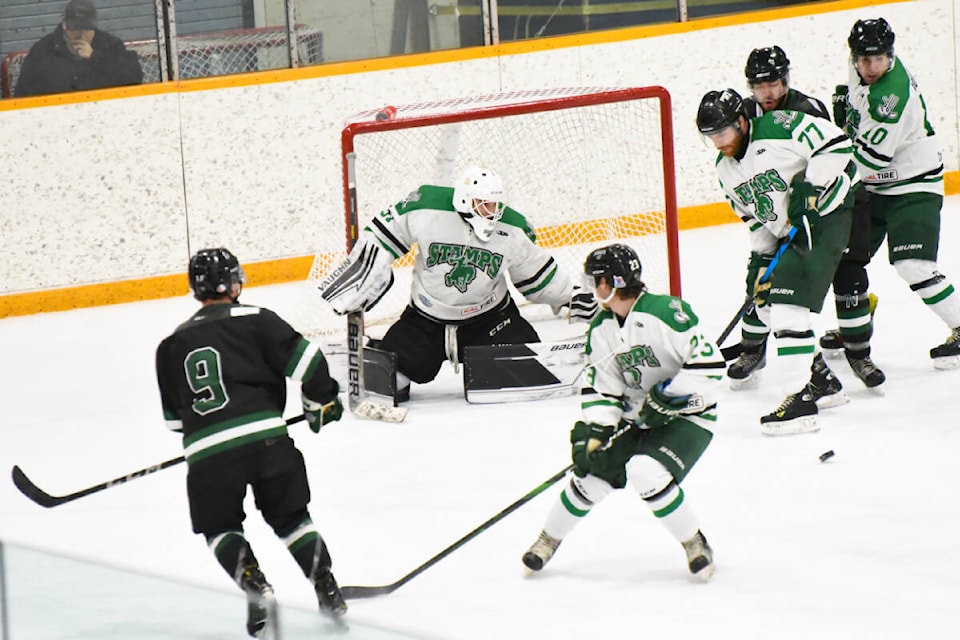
[
  {"x": 901, "y": 164},
  {"x": 648, "y": 406},
  {"x": 785, "y": 170},
  {"x": 768, "y": 75},
  {"x": 469, "y": 243}
]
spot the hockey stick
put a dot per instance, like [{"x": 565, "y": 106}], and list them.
[
  {"x": 44, "y": 499},
  {"x": 360, "y": 405},
  {"x": 369, "y": 592},
  {"x": 748, "y": 301}
]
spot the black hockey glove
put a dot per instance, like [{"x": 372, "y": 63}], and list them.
[
  {"x": 659, "y": 408},
  {"x": 839, "y": 100},
  {"x": 756, "y": 267},
  {"x": 319, "y": 414},
  {"x": 803, "y": 203},
  {"x": 586, "y": 438}
]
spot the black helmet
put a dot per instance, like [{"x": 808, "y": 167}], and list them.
[
  {"x": 212, "y": 273},
  {"x": 618, "y": 263},
  {"x": 718, "y": 110},
  {"x": 871, "y": 38},
  {"x": 766, "y": 64}
]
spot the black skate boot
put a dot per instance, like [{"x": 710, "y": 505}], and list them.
[
  {"x": 797, "y": 414},
  {"x": 328, "y": 594},
  {"x": 863, "y": 367},
  {"x": 824, "y": 385},
  {"x": 947, "y": 355},
  {"x": 539, "y": 554},
  {"x": 744, "y": 373},
  {"x": 261, "y": 605},
  {"x": 699, "y": 557}
]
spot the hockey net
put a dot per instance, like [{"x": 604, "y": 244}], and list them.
[{"x": 586, "y": 167}]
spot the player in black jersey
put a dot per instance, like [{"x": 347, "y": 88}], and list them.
[
  {"x": 768, "y": 76},
  {"x": 222, "y": 385}
]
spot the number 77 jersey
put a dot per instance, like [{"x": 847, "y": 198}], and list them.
[{"x": 781, "y": 145}]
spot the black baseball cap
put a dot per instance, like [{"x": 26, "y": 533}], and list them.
[{"x": 80, "y": 15}]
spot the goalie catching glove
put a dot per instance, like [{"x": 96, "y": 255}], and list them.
[
  {"x": 319, "y": 413},
  {"x": 583, "y": 306},
  {"x": 660, "y": 408},
  {"x": 361, "y": 281}
]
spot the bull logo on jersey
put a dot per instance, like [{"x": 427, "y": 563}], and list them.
[
  {"x": 754, "y": 192},
  {"x": 887, "y": 108},
  {"x": 631, "y": 364},
  {"x": 785, "y": 118},
  {"x": 467, "y": 263}
]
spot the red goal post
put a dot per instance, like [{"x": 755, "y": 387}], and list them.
[{"x": 585, "y": 166}]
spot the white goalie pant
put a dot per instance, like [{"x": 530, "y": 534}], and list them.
[
  {"x": 652, "y": 482},
  {"x": 924, "y": 272}
]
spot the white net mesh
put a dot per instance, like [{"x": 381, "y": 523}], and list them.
[{"x": 583, "y": 174}]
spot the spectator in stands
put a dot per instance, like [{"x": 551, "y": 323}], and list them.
[{"x": 77, "y": 56}]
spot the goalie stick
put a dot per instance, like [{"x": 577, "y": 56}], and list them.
[
  {"x": 733, "y": 351},
  {"x": 360, "y": 403},
  {"x": 369, "y": 592},
  {"x": 44, "y": 499}
]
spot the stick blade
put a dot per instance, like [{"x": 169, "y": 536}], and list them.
[
  {"x": 371, "y": 410},
  {"x": 355, "y": 593},
  {"x": 31, "y": 490}
]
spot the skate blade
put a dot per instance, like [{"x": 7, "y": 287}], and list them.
[
  {"x": 831, "y": 354},
  {"x": 833, "y": 400},
  {"x": 877, "y": 391},
  {"x": 750, "y": 382},
  {"x": 946, "y": 362},
  {"x": 806, "y": 424}
]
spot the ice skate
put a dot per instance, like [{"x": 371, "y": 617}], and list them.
[
  {"x": 746, "y": 371},
  {"x": 699, "y": 557},
  {"x": 824, "y": 386},
  {"x": 538, "y": 555},
  {"x": 328, "y": 594},
  {"x": 947, "y": 355},
  {"x": 864, "y": 368},
  {"x": 797, "y": 414},
  {"x": 261, "y": 604}
]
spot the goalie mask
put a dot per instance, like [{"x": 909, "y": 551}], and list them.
[
  {"x": 213, "y": 272},
  {"x": 618, "y": 264},
  {"x": 478, "y": 198}
]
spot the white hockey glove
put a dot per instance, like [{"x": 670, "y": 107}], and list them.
[
  {"x": 361, "y": 281},
  {"x": 583, "y": 306}
]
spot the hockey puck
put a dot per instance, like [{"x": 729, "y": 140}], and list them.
[
  {"x": 826, "y": 455},
  {"x": 387, "y": 113}
]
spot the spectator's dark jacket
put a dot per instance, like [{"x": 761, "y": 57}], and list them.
[{"x": 51, "y": 67}]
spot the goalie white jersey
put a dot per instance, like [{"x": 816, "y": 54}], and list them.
[
  {"x": 456, "y": 276},
  {"x": 783, "y": 144},
  {"x": 660, "y": 339}
]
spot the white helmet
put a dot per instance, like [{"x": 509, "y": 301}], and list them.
[{"x": 475, "y": 187}]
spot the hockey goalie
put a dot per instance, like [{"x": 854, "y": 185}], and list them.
[{"x": 470, "y": 242}]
